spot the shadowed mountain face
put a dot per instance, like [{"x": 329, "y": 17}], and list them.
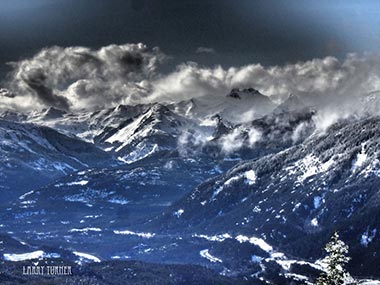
[
  {"x": 186, "y": 183},
  {"x": 33, "y": 155}
]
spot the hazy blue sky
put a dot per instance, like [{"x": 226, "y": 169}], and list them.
[{"x": 240, "y": 31}]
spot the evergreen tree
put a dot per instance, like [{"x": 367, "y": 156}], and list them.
[{"x": 336, "y": 261}]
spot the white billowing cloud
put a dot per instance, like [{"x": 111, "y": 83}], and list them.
[
  {"x": 327, "y": 117},
  {"x": 231, "y": 141},
  {"x": 247, "y": 116},
  {"x": 239, "y": 138},
  {"x": 298, "y": 132},
  {"x": 190, "y": 81},
  {"x": 191, "y": 141},
  {"x": 253, "y": 136},
  {"x": 318, "y": 78},
  {"x": 78, "y": 77}
]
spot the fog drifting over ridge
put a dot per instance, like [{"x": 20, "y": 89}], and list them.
[{"x": 75, "y": 78}]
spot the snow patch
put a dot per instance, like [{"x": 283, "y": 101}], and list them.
[
  {"x": 179, "y": 213},
  {"x": 317, "y": 202},
  {"x": 256, "y": 241},
  {"x": 314, "y": 222},
  {"x": 231, "y": 180},
  {"x": 118, "y": 201},
  {"x": 120, "y": 257},
  {"x": 141, "y": 151},
  {"x": 81, "y": 183},
  {"x": 360, "y": 160},
  {"x": 23, "y": 256},
  {"x": 297, "y": 277},
  {"x": 85, "y": 257},
  {"x": 85, "y": 230},
  {"x": 127, "y": 232},
  {"x": 250, "y": 177},
  {"x": 256, "y": 259},
  {"x": 309, "y": 166},
  {"x": 26, "y": 194},
  {"x": 206, "y": 254},
  {"x": 369, "y": 282},
  {"x": 217, "y": 238},
  {"x": 367, "y": 237}
]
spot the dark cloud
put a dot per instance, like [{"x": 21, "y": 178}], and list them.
[
  {"x": 79, "y": 77},
  {"x": 204, "y": 50},
  {"x": 36, "y": 81}
]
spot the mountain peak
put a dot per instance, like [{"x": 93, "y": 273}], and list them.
[{"x": 238, "y": 93}]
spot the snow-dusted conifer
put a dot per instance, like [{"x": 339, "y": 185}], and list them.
[{"x": 336, "y": 261}]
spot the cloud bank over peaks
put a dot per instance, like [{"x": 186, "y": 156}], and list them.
[
  {"x": 83, "y": 78},
  {"x": 327, "y": 82}
]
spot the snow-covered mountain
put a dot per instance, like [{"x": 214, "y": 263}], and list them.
[
  {"x": 86, "y": 125},
  {"x": 151, "y": 132},
  {"x": 238, "y": 105},
  {"x": 236, "y": 183}
]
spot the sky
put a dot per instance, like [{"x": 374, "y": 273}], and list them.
[
  {"x": 238, "y": 31},
  {"x": 229, "y": 33}
]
